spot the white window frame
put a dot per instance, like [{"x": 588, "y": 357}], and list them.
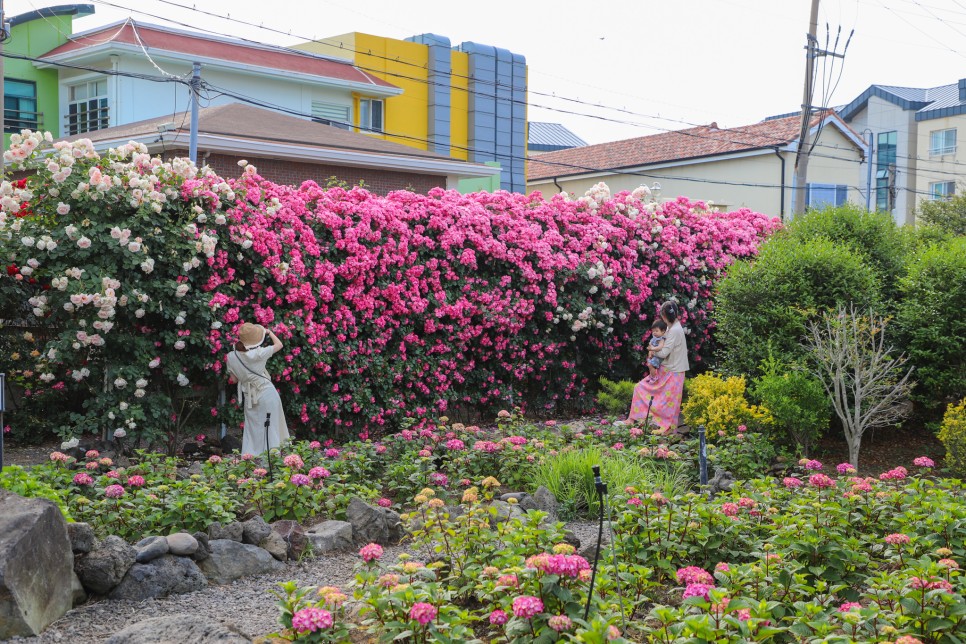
[
  {"x": 332, "y": 114},
  {"x": 93, "y": 111},
  {"x": 367, "y": 123},
  {"x": 939, "y": 144},
  {"x": 941, "y": 190},
  {"x": 821, "y": 189}
]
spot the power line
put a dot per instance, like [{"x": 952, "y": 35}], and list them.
[{"x": 106, "y": 72}]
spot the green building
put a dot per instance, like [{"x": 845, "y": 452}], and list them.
[{"x": 30, "y": 95}]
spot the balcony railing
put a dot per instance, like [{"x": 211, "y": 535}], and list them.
[
  {"x": 16, "y": 120},
  {"x": 88, "y": 120}
]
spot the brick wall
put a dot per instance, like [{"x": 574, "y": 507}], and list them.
[{"x": 294, "y": 173}]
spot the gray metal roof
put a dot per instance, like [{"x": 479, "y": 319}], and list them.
[
  {"x": 551, "y": 136},
  {"x": 927, "y": 102}
]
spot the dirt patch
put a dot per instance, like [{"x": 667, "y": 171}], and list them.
[{"x": 883, "y": 449}]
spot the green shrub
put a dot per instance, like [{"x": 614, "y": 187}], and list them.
[
  {"x": 719, "y": 404},
  {"x": 874, "y": 235},
  {"x": 952, "y": 434},
  {"x": 616, "y": 397},
  {"x": 797, "y": 402},
  {"x": 946, "y": 216},
  {"x": 23, "y": 482},
  {"x": 763, "y": 306},
  {"x": 747, "y": 455},
  {"x": 569, "y": 476},
  {"x": 932, "y": 323}
]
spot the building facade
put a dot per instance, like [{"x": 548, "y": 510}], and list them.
[
  {"x": 915, "y": 135},
  {"x": 744, "y": 167},
  {"x": 467, "y": 101},
  {"x": 30, "y": 94}
]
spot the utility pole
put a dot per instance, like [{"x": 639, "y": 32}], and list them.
[
  {"x": 195, "y": 92},
  {"x": 801, "y": 158},
  {"x": 3, "y": 92}
]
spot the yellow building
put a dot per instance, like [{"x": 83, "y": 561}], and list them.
[{"x": 467, "y": 102}]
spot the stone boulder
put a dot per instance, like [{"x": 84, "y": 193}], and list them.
[
  {"x": 82, "y": 537},
  {"x": 722, "y": 481},
  {"x": 590, "y": 549},
  {"x": 175, "y": 629},
  {"x": 504, "y": 512},
  {"x": 275, "y": 544},
  {"x": 203, "y": 550},
  {"x": 294, "y": 536},
  {"x": 36, "y": 565},
  {"x": 231, "y": 560},
  {"x": 166, "y": 575},
  {"x": 234, "y": 531},
  {"x": 255, "y": 530},
  {"x": 104, "y": 567},
  {"x": 330, "y": 536},
  {"x": 150, "y": 548},
  {"x": 182, "y": 544},
  {"x": 546, "y": 502},
  {"x": 373, "y": 524}
]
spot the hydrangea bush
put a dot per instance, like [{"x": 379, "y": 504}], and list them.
[{"x": 405, "y": 305}]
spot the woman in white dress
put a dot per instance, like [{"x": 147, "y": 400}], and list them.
[{"x": 256, "y": 393}]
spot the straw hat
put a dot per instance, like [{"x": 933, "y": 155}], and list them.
[{"x": 251, "y": 335}]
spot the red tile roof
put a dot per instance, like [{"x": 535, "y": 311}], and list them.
[
  {"x": 160, "y": 39},
  {"x": 693, "y": 143}
]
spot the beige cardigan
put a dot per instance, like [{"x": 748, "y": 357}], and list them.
[{"x": 675, "y": 350}]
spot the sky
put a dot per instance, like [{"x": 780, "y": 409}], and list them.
[{"x": 621, "y": 69}]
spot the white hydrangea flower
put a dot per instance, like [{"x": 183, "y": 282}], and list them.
[{"x": 183, "y": 380}]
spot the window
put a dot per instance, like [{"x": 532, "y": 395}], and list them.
[
  {"x": 331, "y": 114},
  {"x": 942, "y": 190},
  {"x": 370, "y": 115},
  {"x": 20, "y": 106},
  {"x": 883, "y": 190},
  {"x": 87, "y": 107},
  {"x": 942, "y": 142},
  {"x": 885, "y": 154},
  {"x": 820, "y": 195}
]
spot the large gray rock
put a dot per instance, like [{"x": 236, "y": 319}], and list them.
[
  {"x": 231, "y": 560},
  {"x": 77, "y": 593},
  {"x": 167, "y": 575},
  {"x": 203, "y": 550},
  {"x": 294, "y": 536},
  {"x": 275, "y": 544},
  {"x": 546, "y": 502},
  {"x": 330, "y": 536},
  {"x": 234, "y": 531},
  {"x": 82, "y": 537},
  {"x": 182, "y": 544},
  {"x": 723, "y": 481},
  {"x": 255, "y": 530},
  {"x": 105, "y": 566},
  {"x": 373, "y": 524},
  {"x": 150, "y": 548},
  {"x": 504, "y": 512},
  {"x": 36, "y": 565},
  {"x": 177, "y": 629}
]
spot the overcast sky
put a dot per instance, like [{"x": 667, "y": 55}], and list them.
[{"x": 652, "y": 65}]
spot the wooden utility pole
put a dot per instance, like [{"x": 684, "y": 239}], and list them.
[{"x": 801, "y": 158}]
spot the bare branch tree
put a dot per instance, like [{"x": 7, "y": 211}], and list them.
[{"x": 851, "y": 358}]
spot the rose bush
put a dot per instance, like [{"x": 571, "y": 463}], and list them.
[{"x": 139, "y": 270}]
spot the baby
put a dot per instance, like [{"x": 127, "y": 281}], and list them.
[{"x": 658, "y": 329}]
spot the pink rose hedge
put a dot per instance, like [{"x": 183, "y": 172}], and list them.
[{"x": 405, "y": 305}]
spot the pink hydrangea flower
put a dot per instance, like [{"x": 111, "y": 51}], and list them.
[
  {"x": 560, "y": 623},
  {"x": 634, "y": 501},
  {"x": 897, "y": 539},
  {"x": 455, "y": 445},
  {"x": 59, "y": 457},
  {"x": 527, "y": 606},
  {"x": 422, "y": 613},
  {"x": 923, "y": 461},
  {"x": 820, "y": 481},
  {"x": 722, "y": 567},
  {"x": 259, "y": 472},
  {"x": 845, "y": 468},
  {"x": 331, "y": 453},
  {"x": 847, "y": 606},
  {"x": 508, "y": 580},
  {"x": 694, "y": 575},
  {"x": 293, "y": 461},
  {"x": 384, "y": 502},
  {"x": 813, "y": 465},
  {"x": 438, "y": 478},
  {"x": 92, "y": 453},
  {"x": 214, "y": 459},
  {"x": 791, "y": 482},
  {"x": 311, "y": 620},
  {"x": 729, "y": 509},
  {"x": 319, "y": 473},
  {"x": 300, "y": 480},
  {"x": 83, "y": 478},
  {"x": 697, "y": 590},
  {"x": 114, "y": 491},
  {"x": 499, "y": 617},
  {"x": 371, "y": 552},
  {"x": 135, "y": 480}
]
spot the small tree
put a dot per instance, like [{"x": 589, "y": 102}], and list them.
[
  {"x": 866, "y": 384},
  {"x": 946, "y": 215}
]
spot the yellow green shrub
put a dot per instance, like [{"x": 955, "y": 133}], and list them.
[
  {"x": 719, "y": 404},
  {"x": 952, "y": 434}
]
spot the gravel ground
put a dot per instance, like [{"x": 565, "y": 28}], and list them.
[{"x": 247, "y": 604}]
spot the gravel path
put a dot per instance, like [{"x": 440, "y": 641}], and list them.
[{"x": 247, "y": 603}]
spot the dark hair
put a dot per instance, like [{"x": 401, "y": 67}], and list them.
[
  {"x": 669, "y": 310},
  {"x": 239, "y": 346},
  {"x": 659, "y": 324}
]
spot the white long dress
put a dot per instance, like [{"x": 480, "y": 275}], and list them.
[{"x": 259, "y": 397}]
